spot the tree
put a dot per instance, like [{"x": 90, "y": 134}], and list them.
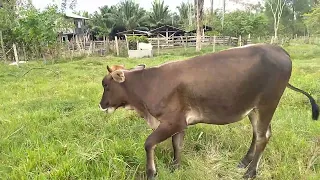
[
  {"x": 243, "y": 23},
  {"x": 101, "y": 22},
  {"x": 312, "y": 20},
  {"x": 186, "y": 12},
  {"x": 128, "y": 14},
  {"x": 38, "y": 30},
  {"x": 159, "y": 14},
  {"x": 174, "y": 18},
  {"x": 64, "y": 4},
  {"x": 276, "y": 7},
  {"x": 199, "y": 18}
]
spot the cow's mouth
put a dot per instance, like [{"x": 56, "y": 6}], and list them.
[{"x": 108, "y": 109}]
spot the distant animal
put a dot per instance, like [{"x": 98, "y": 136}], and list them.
[{"x": 217, "y": 88}]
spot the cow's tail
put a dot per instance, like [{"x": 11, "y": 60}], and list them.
[{"x": 314, "y": 106}]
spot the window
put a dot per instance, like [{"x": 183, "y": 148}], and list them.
[{"x": 79, "y": 24}]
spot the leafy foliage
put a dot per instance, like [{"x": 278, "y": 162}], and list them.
[
  {"x": 242, "y": 23},
  {"x": 128, "y": 14},
  {"x": 312, "y": 20},
  {"x": 159, "y": 14},
  {"x": 101, "y": 22},
  {"x": 186, "y": 12},
  {"x": 37, "y": 30},
  {"x": 132, "y": 40}
]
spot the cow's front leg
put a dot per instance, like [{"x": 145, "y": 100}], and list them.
[
  {"x": 163, "y": 132},
  {"x": 177, "y": 143}
]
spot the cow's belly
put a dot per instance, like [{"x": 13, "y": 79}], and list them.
[{"x": 196, "y": 115}]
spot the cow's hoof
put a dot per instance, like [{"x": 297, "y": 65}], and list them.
[
  {"x": 242, "y": 165},
  {"x": 250, "y": 174},
  {"x": 174, "y": 166},
  {"x": 151, "y": 174}
]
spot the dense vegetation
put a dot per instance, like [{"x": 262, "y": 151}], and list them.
[
  {"x": 51, "y": 127},
  {"x": 36, "y": 31}
]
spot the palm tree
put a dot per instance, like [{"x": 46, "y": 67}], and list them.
[
  {"x": 159, "y": 14},
  {"x": 186, "y": 12},
  {"x": 101, "y": 23},
  {"x": 129, "y": 15},
  {"x": 199, "y": 17}
]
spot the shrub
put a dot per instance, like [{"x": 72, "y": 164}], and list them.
[{"x": 132, "y": 40}]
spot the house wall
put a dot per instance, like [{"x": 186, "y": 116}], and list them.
[{"x": 80, "y": 26}]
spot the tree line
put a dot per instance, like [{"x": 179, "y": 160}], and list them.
[{"x": 22, "y": 23}]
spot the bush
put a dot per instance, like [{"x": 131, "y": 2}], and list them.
[
  {"x": 132, "y": 40},
  {"x": 212, "y": 33}
]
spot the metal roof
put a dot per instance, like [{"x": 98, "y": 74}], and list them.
[
  {"x": 73, "y": 15},
  {"x": 135, "y": 31}
]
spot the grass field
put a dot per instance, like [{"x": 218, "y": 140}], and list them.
[{"x": 51, "y": 127}]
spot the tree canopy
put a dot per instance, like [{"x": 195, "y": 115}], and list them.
[{"x": 21, "y": 22}]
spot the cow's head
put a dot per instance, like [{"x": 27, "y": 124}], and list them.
[{"x": 114, "y": 94}]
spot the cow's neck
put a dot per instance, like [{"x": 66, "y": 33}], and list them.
[{"x": 138, "y": 86}]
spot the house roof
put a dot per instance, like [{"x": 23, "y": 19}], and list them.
[
  {"x": 165, "y": 27},
  {"x": 135, "y": 31},
  {"x": 73, "y": 15}
]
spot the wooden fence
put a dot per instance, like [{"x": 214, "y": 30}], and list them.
[
  {"x": 120, "y": 47},
  {"x": 190, "y": 41}
]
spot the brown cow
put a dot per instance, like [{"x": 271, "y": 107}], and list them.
[{"x": 217, "y": 88}]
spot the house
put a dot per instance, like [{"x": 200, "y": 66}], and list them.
[{"x": 80, "y": 28}]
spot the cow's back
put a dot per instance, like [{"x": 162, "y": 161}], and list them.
[{"x": 228, "y": 81}]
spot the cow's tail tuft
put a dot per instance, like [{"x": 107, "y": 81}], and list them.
[{"x": 314, "y": 106}]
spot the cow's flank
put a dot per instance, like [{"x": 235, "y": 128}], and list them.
[{"x": 217, "y": 88}]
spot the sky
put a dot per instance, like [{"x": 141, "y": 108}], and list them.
[{"x": 93, "y": 5}]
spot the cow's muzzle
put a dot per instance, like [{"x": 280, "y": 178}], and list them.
[{"x": 109, "y": 109}]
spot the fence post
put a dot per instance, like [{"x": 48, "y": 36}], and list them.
[
  {"x": 214, "y": 43},
  {"x": 185, "y": 42},
  {"x": 240, "y": 41},
  {"x": 2, "y": 47},
  {"x": 24, "y": 52},
  {"x": 107, "y": 46},
  {"x": 104, "y": 44},
  {"x": 117, "y": 47},
  {"x": 158, "y": 44},
  {"x": 15, "y": 53}
]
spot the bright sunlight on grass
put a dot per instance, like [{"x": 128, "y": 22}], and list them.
[{"x": 51, "y": 127}]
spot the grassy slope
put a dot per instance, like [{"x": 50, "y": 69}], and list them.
[{"x": 50, "y": 127}]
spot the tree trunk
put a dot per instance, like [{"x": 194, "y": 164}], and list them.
[
  {"x": 199, "y": 13},
  {"x": 2, "y": 47},
  {"x": 275, "y": 29},
  {"x": 211, "y": 7}
]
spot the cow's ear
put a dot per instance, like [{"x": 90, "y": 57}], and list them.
[
  {"x": 118, "y": 76},
  {"x": 140, "y": 66},
  {"x": 109, "y": 69}
]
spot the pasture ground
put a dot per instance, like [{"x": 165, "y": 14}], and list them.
[{"x": 51, "y": 127}]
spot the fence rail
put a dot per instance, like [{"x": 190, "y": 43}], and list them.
[
  {"x": 107, "y": 47},
  {"x": 119, "y": 47}
]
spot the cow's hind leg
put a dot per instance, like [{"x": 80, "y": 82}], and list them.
[
  {"x": 163, "y": 132},
  {"x": 246, "y": 160},
  {"x": 177, "y": 142},
  {"x": 263, "y": 134}
]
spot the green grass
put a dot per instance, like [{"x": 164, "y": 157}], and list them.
[{"x": 51, "y": 127}]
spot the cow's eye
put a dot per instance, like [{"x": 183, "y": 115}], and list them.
[{"x": 106, "y": 87}]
